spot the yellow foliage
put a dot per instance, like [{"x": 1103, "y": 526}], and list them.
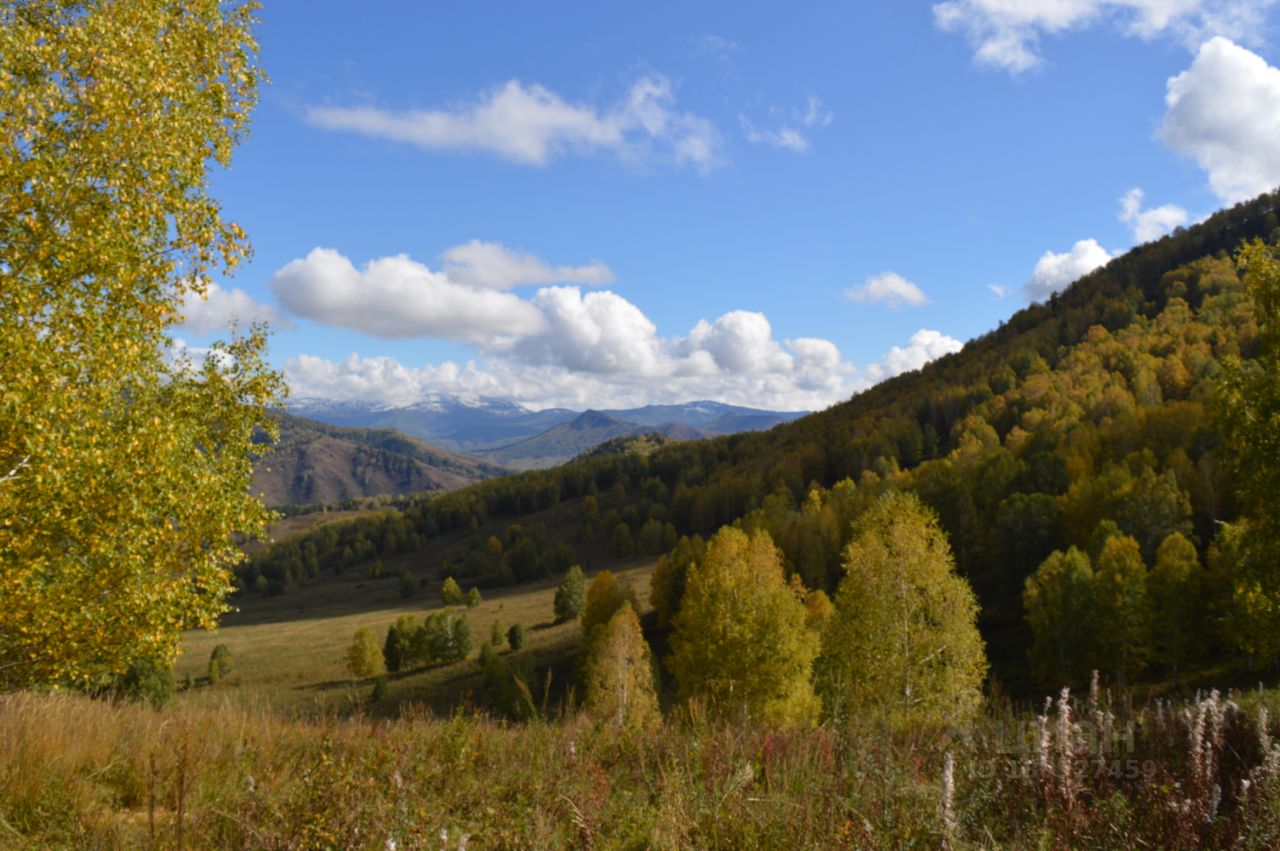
[{"x": 124, "y": 472}]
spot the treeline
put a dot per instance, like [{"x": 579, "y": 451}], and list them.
[{"x": 1097, "y": 407}]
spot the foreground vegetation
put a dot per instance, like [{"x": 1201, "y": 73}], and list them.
[{"x": 81, "y": 773}]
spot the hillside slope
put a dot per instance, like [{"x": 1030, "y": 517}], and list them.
[
  {"x": 1088, "y": 416},
  {"x": 318, "y": 463}
]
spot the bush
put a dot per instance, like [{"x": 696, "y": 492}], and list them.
[
  {"x": 571, "y": 596},
  {"x": 473, "y": 598},
  {"x": 515, "y": 636},
  {"x": 379, "y": 691},
  {"x": 219, "y": 663},
  {"x": 409, "y": 584},
  {"x": 148, "y": 680}
]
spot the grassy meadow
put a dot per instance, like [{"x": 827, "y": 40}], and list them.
[{"x": 289, "y": 651}]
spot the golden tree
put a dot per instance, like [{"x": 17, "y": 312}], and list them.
[
  {"x": 903, "y": 645},
  {"x": 124, "y": 471},
  {"x": 619, "y": 681},
  {"x": 740, "y": 640}
]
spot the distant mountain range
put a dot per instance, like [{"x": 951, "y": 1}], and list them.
[
  {"x": 500, "y": 431},
  {"x": 316, "y": 462}
]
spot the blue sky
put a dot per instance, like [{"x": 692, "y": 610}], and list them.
[{"x": 594, "y": 205}]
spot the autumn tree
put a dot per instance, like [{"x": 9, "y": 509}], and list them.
[
  {"x": 124, "y": 467},
  {"x": 1059, "y": 603},
  {"x": 364, "y": 656},
  {"x": 1249, "y": 412},
  {"x": 605, "y": 596},
  {"x": 1123, "y": 609},
  {"x": 619, "y": 680},
  {"x": 903, "y": 645},
  {"x": 739, "y": 641},
  {"x": 571, "y": 596},
  {"x": 450, "y": 592}
]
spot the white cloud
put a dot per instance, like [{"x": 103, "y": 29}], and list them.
[
  {"x": 1149, "y": 224},
  {"x": 925, "y": 345},
  {"x": 798, "y": 374},
  {"x": 600, "y": 332},
  {"x": 531, "y": 125},
  {"x": 890, "y": 289},
  {"x": 1006, "y": 33},
  {"x": 716, "y": 46},
  {"x": 1224, "y": 111},
  {"x": 1055, "y": 272},
  {"x": 494, "y": 266},
  {"x": 1000, "y": 291},
  {"x": 220, "y": 308},
  {"x": 788, "y": 135},
  {"x": 398, "y": 297}
]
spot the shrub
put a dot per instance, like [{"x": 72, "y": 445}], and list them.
[
  {"x": 515, "y": 636},
  {"x": 473, "y": 598},
  {"x": 219, "y": 663},
  {"x": 450, "y": 592},
  {"x": 571, "y": 596}
]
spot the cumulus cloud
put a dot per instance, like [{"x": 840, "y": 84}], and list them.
[
  {"x": 398, "y": 297},
  {"x": 218, "y": 309},
  {"x": 798, "y": 374},
  {"x": 925, "y": 345},
  {"x": 1006, "y": 34},
  {"x": 1224, "y": 112},
  {"x": 791, "y": 134},
  {"x": 890, "y": 289},
  {"x": 1055, "y": 272},
  {"x": 1149, "y": 224},
  {"x": 494, "y": 266},
  {"x": 532, "y": 125}
]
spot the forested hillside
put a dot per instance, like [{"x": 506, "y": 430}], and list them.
[
  {"x": 314, "y": 463},
  {"x": 1086, "y": 422}
]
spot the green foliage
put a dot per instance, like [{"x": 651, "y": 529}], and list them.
[
  {"x": 379, "y": 691},
  {"x": 147, "y": 680},
  {"x": 1249, "y": 412},
  {"x": 1123, "y": 610},
  {"x": 364, "y": 657},
  {"x": 497, "y": 633},
  {"x": 903, "y": 645},
  {"x": 739, "y": 641},
  {"x": 1060, "y": 610},
  {"x": 515, "y": 636},
  {"x": 571, "y": 596},
  {"x": 400, "y": 650},
  {"x": 124, "y": 474},
  {"x": 451, "y": 592},
  {"x": 1176, "y": 587},
  {"x": 409, "y": 584},
  {"x": 220, "y": 663},
  {"x": 473, "y": 597},
  {"x": 619, "y": 680},
  {"x": 666, "y": 585},
  {"x": 623, "y": 545},
  {"x": 444, "y": 637}
]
